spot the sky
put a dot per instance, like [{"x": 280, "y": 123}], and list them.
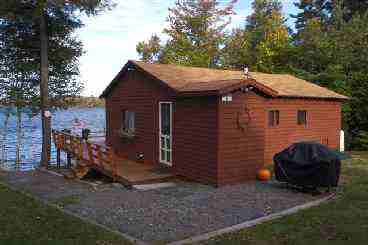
[{"x": 110, "y": 39}]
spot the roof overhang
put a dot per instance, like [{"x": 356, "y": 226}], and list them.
[
  {"x": 240, "y": 84},
  {"x": 207, "y": 88},
  {"x": 127, "y": 67}
]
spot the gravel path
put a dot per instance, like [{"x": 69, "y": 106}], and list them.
[{"x": 161, "y": 215}]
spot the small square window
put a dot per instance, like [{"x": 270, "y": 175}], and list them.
[
  {"x": 273, "y": 118},
  {"x": 129, "y": 121},
  {"x": 302, "y": 117}
]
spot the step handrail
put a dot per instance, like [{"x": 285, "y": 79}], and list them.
[{"x": 91, "y": 154}]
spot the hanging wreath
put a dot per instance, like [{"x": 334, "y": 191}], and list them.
[{"x": 244, "y": 118}]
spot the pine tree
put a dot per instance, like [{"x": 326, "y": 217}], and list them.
[
  {"x": 334, "y": 54},
  {"x": 40, "y": 33},
  {"x": 353, "y": 7},
  {"x": 150, "y": 51},
  {"x": 236, "y": 52},
  {"x": 349, "y": 46},
  {"x": 322, "y": 10},
  {"x": 312, "y": 10}
]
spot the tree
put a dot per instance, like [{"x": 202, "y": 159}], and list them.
[
  {"x": 196, "y": 34},
  {"x": 262, "y": 10},
  {"x": 48, "y": 46},
  {"x": 353, "y": 7},
  {"x": 333, "y": 53},
  {"x": 271, "y": 46},
  {"x": 312, "y": 9},
  {"x": 150, "y": 51},
  {"x": 350, "y": 54},
  {"x": 322, "y": 10},
  {"x": 5, "y": 111},
  {"x": 264, "y": 41},
  {"x": 17, "y": 85},
  {"x": 312, "y": 50},
  {"x": 236, "y": 52}
]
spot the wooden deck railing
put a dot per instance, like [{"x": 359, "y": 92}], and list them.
[{"x": 88, "y": 154}]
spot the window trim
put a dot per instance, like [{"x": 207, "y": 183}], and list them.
[
  {"x": 302, "y": 121},
  {"x": 124, "y": 121},
  {"x": 160, "y": 135},
  {"x": 273, "y": 118}
]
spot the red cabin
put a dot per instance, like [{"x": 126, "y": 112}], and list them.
[{"x": 214, "y": 126}]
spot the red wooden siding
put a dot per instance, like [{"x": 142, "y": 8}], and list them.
[
  {"x": 323, "y": 124},
  {"x": 195, "y": 138},
  {"x": 240, "y": 153},
  {"x": 140, "y": 94},
  {"x": 208, "y": 143},
  {"x": 194, "y": 126}
]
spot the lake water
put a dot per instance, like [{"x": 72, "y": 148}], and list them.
[{"x": 94, "y": 119}]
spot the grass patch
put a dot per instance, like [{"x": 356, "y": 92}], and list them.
[
  {"x": 343, "y": 220},
  {"x": 67, "y": 200},
  {"x": 24, "y": 220}
]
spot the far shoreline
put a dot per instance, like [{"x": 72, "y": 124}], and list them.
[{"x": 77, "y": 102}]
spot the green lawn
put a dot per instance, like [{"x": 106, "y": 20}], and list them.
[
  {"x": 24, "y": 220},
  {"x": 341, "y": 221}
]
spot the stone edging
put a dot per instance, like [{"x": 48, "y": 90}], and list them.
[
  {"x": 194, "y": 239},
  {"x": 87, "y": 220},
  {"x": 250, "y": 223}
]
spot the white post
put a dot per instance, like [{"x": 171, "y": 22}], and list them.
[{"x": 342, "y": 141}]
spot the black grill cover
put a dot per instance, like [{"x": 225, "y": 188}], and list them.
[{"x": 308, "y": 164}]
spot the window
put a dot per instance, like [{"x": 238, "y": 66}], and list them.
[
  {"x": 129, "y": 121},
  {"x": 302, "y": 117},
  {"x": 273, "y": 118}
]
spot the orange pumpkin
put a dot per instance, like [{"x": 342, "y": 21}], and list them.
[{"x": 264, "y": 174}]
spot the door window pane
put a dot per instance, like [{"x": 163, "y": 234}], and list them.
[
  {"x": 163, "y": 155},
  {"x": 165, "y": 132},
  {"x": 168, "y": 156},
  {"x": 165, "y": 119}
]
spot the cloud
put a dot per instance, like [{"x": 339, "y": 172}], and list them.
[{"x": 110, "y": 38}]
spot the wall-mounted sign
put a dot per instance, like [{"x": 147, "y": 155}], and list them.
[{"x": 227, "y": 98}]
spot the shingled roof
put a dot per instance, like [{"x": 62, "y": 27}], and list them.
[{"x": 202, "y": 81}]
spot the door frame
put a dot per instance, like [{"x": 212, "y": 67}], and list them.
[{"x": 171, "y": 133}]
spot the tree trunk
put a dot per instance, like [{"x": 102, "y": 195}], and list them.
[
  {"x": 4, "y": 134},
  {"x": 19, "y": 137},
  {"x": 46, "y": 121}
]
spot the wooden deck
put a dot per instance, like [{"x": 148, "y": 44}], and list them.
[
  {"x": 98, "y": 156},
  {"x": 134, "y": 173}
]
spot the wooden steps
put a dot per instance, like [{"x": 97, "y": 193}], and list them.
[
  {"x": 102, "y": 158},
  {"x": 77, "y": 172}
]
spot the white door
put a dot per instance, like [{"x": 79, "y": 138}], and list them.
[{"x": 165, "y": 134}]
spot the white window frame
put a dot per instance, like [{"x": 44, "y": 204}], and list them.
[
  {"x": 124, "y": 123},
  {"x": 165, "y": 136}
]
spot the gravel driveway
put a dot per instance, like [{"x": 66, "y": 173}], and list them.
[{"x": 160, "y": 215}]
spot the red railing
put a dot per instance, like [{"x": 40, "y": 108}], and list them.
[{"x": 86, "y": 153}]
